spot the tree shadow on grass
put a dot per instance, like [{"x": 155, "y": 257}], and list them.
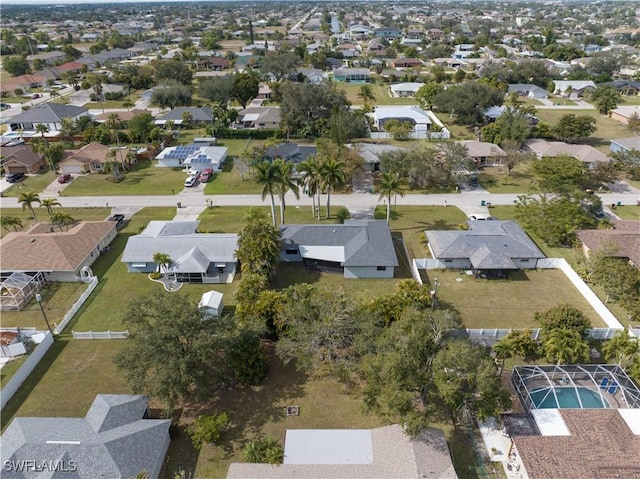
[{"x": 32, "y": 381}]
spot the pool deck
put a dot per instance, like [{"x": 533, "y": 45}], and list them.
[{"x": 498, "y": 439}]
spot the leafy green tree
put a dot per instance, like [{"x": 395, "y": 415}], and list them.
[
  {"x": 333, "y": 175},
  {"x": 172, "y": 70},
  {"x": 623, "y": 348},
  {"x": 466, "y": 381},
  {"x": 208, "y": 428},
  {"x": 468, "y": 102},
  {"x": 606, "y": 99},
  {"x": 563, "y": 316},
  {"x": 634, "y": 123},
  {"x": 15, "y": 65},
  {"x": 366, "y": 93},
  {"x": 575, "y": 129},
  {"x": 426, "y": 93},
  {"x": 560, "y": 174},
  {"x": 27, "y": 199},
  {"x": 401, "y": 130},
  {"x": 245, "y": 88},
  {"x": 388, "y": 185},
  {"x": 388, "y": 308},
  {"x": 173, "y": 353},
  {"x": 279, "y": 65},
  {"x": 42, "y": 129},
  {"x": 140, "y": 127},
  {"x": 259, "y": 248},
  {"x": 187, "y": 118},
  {"x": 247, "y": 357},
  {"x": 171, "y": 96},
  {"x": 216, "y": 89},
  {"x": 10, "y": 222}
]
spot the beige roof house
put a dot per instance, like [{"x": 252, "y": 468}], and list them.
[
  {"x": 585, "y": 153},
  {"x": 625, "y": 236},
  {"x": 482, "y": 152},
  {"x": 20, "y": 159},
  {"x": 91, "y": 157},
  {"x": 381, "y": 453},
  {"x": 59, "y": 254}
]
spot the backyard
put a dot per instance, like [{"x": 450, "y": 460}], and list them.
[
  {"x": 509, "y": 303},
  {"x": 380, "y": 91},
  {"x": 143, "y": 179}
]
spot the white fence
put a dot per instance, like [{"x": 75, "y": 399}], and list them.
[
  {"x": 58, "y": 328},
  {"x": 100, "y": 334},
  {"x": 27, "y": 367},
  {"x": 415, "y": 135},
  {"x": 490, "y": 335}
]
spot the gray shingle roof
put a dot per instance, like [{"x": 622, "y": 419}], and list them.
[
  {"x": 199, "y": 114},
  {"x": 122, "y": 445},
  {"x": 47, "y": 113},
  {"x": 365, "y": 242},
  {"x": 487, "y": 244}
]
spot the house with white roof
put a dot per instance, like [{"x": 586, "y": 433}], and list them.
[
  {"x": 404, "y": 90},
  {"x": 573, "y": 88},
  {"x": 194, "y": 157},
  {"x": 195, "y": 257},
  {"x": 585, "y": 153},
  {"x": 625, "y": 145}
]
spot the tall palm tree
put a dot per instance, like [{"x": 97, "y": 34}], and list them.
[
  {"x": 187, "y": 118},
  {"x": 163, "y": 261},
  {"x": 266, "y": 174},
  {"x": 310, "y": 171},
  {"x": 333, "y": 176},
  {"x": 27, "y": 199},
  {"x": 503, "y": 350},
  {"x": 128, "y": 104},
  {"x": 49, "y": 203},
  {"x": 42, "y": 129},
  {"x": 285, "y": 183},
  {"x": 10, "y": 222},
  {"x": 62, "y": 219},
  {"x": 366, "y": 93},
  {"x": 68, "y": 128},
  {"x": 113, "y": 123},
  {"x": 622, "y": 348},
  {"x": 565, "y": 346},
  {"x": 389, "y": 185},
  {"x": 98, "y": 90}
]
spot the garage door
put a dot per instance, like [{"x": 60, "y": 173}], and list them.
[
  {"x": 16, "y": 169},
  {"x": 77, "y": 169}
]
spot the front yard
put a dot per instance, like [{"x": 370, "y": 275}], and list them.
[
  {"x": 88, "y": 214},
  {"x": 143, "y": 179},
  {"x": 32, "y": 183},
  {"x": 495, "y": 180},
  {"x": 628, "y": 212}
]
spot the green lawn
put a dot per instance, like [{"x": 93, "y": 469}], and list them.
[
  {"x": 411, "y": 221},
  {"x": 229, "y": 182},
  {"x": 10, "y": 368},
  {"x": 89, "y": 214},
  {"x": 627, "y": 212},
  {"x": 495, "y": 180},
  {"x": 34, "y": 183},
  {"x": 66, "y": 381},
  {"x": 144, "y": 179},
  {"x": 380, "y": 91},
  {"x": 508, "y": 303}
]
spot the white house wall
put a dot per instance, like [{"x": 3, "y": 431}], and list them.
[
  {"x": 525, "y": 263},
  {"x": 368, "y": 272}
]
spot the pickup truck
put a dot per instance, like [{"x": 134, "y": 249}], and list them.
[{"x": 119, "y": 219}]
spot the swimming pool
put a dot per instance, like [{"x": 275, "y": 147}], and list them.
[{"x": 567, "y": 398}]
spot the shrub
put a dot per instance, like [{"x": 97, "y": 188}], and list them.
[
  {"x": 208, "y": 428},
  {"x": 342, "y": 214},
  {"x": 266, "y": 450},
  {"x": 155, "y": 275}
]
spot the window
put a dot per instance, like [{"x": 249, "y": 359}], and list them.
[
  {"x": 448, "y": 261},
  {"x": 524, "y": 260},
  {"x": 291, "y": 251},
  {"x": 97, "y": 166},
  {"x": 381, "y": 268}
]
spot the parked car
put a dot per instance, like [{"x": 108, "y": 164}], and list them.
[
  {"x": 206, "y": 175},
  {"x": 4, "y": 106},
  {"x": 119, "y": 219},
  {"x": 64, "y": 178},
  {"x": 35, "y": 96},
  {"x": 195, "y": 174},
  {"x": 191, "y": 181},
  {"x": 14, "y": 177},
  {"x": 480, "y": 217}
]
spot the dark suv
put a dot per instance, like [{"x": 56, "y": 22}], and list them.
[{"x": 14, "y": 177}]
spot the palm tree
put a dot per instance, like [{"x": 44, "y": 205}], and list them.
[
  {"x": 27, "y": 199},
  {"x": 113, "y": 123},
  {"x": 49, "y": 203},
  {"x": 62, "y": 219},
  {"x": 112, "y": 166},
  {"x": 366, "y": 93},
  {"x": 42, "y": 129},
  {"x": 170, "y": 125},
  {"x": 622, "y": 347},
  {"x": 98, "y": 90},
  {"x": 503, "y": 350},
  {"x": 565, "y": 346},
  {"x": 67, "y": 128},
  {"x": 187, "y": 118},
  {"x": 252, "y": 451},
  {"x": 266, "y": 174},
  {"x": 333, "y": 175},
  {"x": 10, "y": 222},
  {"x": 389, "y": 185},
  {"x": 163, "y": 261},
  {"x": 310, "y": 171},
  {"x": 128, "y": 104},
  {"x": 285, "y": 183}
]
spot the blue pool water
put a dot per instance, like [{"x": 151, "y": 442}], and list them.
[{"x": 567, "y": 398}]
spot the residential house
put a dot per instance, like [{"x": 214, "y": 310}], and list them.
[
  {"x": 483, "y": 153},
  {"x": 115, "y": 439},
  {"x": 384, "y": 452},
  {"x": 290, "y": 152},
  {"x": 91, "y": 158},
  {"x": 370, "y": 153},
  {"x": 624, "y": 113},
  {"x": 312, "y": 75},
  {"x": 25, "y": 82},
  {"x": 492, "y": 113},
  {"x": 264, "y": 92},
  {"x": 405, "y": 63},
  {"x": 195, "y": 257},
  {"x": 195, "y": 157},
  {"x": 359, "y": 31},
  {"x": 526, "y": 89},
  {"x": 387, "y": 32},
  {"x": 48, "y": 58},
  {"x": 624, "y": 87},
  {"x": 352, "y": 75},
  {"x": 413, "y": 114},
  {"x": 20, "y": 159},
  {"x": 405, "y": 90},
  {"x": 573, "y": 88},
  {"x": 260, "y": 118},
  {"x": 48, "y": 114},
  {"x": 213, "y": 63},
  {"x": 199, "y": 115},
  {"x": 377, "y": 47},
  {"x": 489, "y": 248},
  {"x": 357, "y": 248},
  {"x": 585, "y": 153},
  {"x": 81, "y": 97},
  {"x": 123, "y": 115},
  {"x": 625, "y": 237},
  {"x": 348, "y": 50},
  {"x": 60, "y": 255},
  {"x": 463, "y": 50},
  {"x": 625, "y": 145}
]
